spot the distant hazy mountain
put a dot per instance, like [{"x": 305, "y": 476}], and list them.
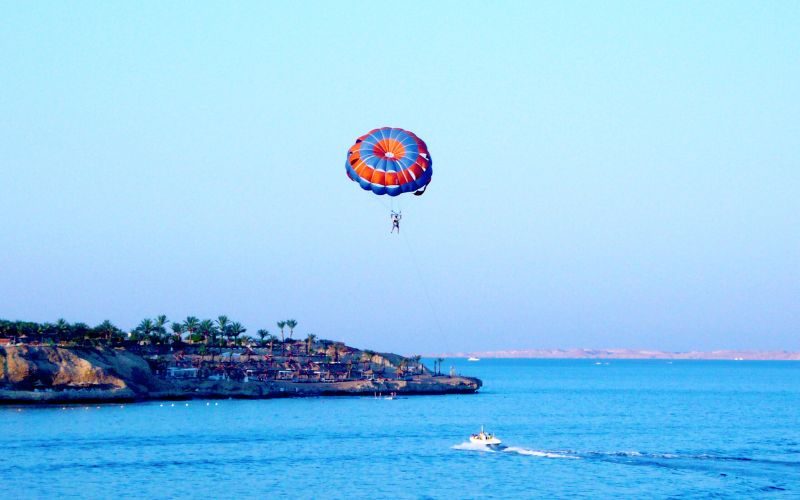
[{"x": 626, "y": 354}]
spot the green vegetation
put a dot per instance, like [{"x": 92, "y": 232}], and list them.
[
  {"x": 63, "y": 332},
  {"x": 157, "y": 331},
  {"x": 220, "y": 348}
]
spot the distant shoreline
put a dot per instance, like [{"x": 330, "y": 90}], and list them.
[{"x": 730, "y": 355}]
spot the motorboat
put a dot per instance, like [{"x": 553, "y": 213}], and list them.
[
  {"x": 484, "y": 438},
  {"x": 473, "y": 358}
]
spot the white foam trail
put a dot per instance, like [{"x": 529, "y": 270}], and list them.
[
  {"x": 468, "y": 446},
  {"x": 536, "y": 453},
  {"x": 625, "y": 453},
  {"x": 637, "y": 454}
]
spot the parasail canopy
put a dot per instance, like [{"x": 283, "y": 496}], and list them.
[{"x": 390, "y": 161}]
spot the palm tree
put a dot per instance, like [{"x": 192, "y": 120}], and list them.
[
  {"x": 190, "y": 325},
  {"x": 63, "y": 329},
  {"x": 161, "y": 321},
  {"x": 416, "y": 359},
  {"x": 79, "y": 330},
  {"x": 208, "y": 334},
  {"x": 6, "y": 328},
  {"x": 146, "y": 329},
  {"x": 291, "y": 324},
  {"x": 158, "y": 327},
  {"x": 236, "y": 329},
  {"x": 105, "y": 329},
  {"x": 177, "y": 331},
  {"x": 46, "y": 330},
  {"x": 338, "y": 349},
  {"x": 206, "y": 330},
  {"x": 146, "y": 326},
  {"x": 261, "y": 335},
  {"x": 439, "y": 362},
  {"x": 223, "y": 324},
  {"x": 28, "y": 329},
  {"x": 281, "y": 325},
  {"x": 310, "y": 342}
]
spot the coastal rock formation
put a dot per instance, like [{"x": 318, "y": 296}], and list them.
[{"x": 44, "y": 374}]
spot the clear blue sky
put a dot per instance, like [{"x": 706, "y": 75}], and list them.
[{"x": 605, "y": 174}]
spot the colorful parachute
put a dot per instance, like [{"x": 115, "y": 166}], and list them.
[{"x": 390, "y": 161}]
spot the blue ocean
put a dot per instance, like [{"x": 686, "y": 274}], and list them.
[{"x": 572, "y": 428}]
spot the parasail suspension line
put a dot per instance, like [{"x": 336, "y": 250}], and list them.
[{"x": 424, "y": 287}]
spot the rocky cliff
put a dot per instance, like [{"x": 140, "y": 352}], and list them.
[
  {"x": 50, "y": 373},
  {"x": 57, "y": 375}
]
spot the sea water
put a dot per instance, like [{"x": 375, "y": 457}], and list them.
[{"x": 573, "y": 428}]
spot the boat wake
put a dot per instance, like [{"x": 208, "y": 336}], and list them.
[
  {"x": 468, "y": 446},
  {"x": 640, "y": 457},
  {"x": 537, "y": 453},
  {"x": 723, "y": 464},
  {"x": 675, "y": 460}
]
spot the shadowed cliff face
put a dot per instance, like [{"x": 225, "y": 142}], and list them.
[{"x": 26, "y": 368}]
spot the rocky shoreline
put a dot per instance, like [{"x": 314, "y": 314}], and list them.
[{"x": 58, "y": 375}]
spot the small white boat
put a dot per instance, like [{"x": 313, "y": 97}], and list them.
[
  {"x": 473, "y": 358},
  {"x": 484, "y": 438}
]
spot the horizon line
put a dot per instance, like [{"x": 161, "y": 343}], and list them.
[{"x": 625, "y": 353}]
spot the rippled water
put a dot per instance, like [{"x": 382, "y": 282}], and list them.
[{"x": 572, "y": 428}]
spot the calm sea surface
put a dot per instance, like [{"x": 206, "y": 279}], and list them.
[{"x": 573, "y": 428}]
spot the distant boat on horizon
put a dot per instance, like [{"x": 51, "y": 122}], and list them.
[{"x": 473, "y": 358}]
